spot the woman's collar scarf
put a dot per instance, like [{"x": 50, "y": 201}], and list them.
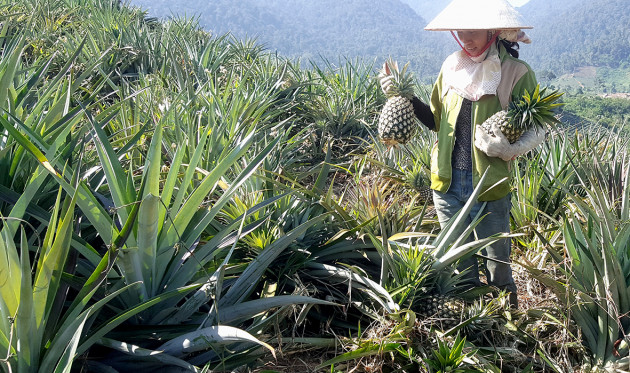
[{"x": 472, "y": 77}]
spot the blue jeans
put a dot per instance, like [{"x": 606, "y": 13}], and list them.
[{"x": 496, "y": 220}]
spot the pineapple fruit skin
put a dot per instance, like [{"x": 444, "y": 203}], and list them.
[
  {"x": 397, "y": 123},
  {"x": 446, "y": 309},
  {"x": 442, "y": 306},
  {"x": 422, "y": 185},
  {"x": 534, "y": 109},
  {"x": 501, "y": 118}
]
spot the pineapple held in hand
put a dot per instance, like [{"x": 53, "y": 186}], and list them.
[
  {"x": 533, "y": 110},
  {"x": 397, "y": 123}
]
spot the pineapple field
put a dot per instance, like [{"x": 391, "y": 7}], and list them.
[{"x": 176, "y": 201}]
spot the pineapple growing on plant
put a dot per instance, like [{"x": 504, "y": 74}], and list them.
[
  {"x": 533, "y": 110},
  {"x": 420, "y": 181},
  {"x": 397, "y": 122},
  {"x": 448, "y": 310},
  {"x": 475, "y": 315}
]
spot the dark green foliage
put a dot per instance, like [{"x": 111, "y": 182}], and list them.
[
  {"x": 566, "y": 34},
  {"x": 608, "y": 112},
  {"x": 320, "y": 30},
  {"x": 202, "y": 169},
  {"x": 570, "y": 34},
  {"x": 450, "y": 358}
]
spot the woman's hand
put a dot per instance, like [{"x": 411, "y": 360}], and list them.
[
  {"x": 497, "y": 145},
  {"x": 385, "y": 77}
]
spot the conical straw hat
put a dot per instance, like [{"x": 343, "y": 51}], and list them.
[{"x": 478, "y": 15}]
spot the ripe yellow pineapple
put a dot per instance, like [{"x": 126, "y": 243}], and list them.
[
  {"x": 532, "y": 110},
  {"x": 398, "y": 123}
]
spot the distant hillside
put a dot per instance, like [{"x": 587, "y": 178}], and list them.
[
  {"x": 430, "y": 8},
  {"x": 567, "y": 34},
  {"x": 326, "y": 28},
  {"x": 427, "y": 9},
  {"x": 540, "y": 11}
]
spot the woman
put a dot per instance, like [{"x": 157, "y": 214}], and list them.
[{"x": 475, "y": 83}]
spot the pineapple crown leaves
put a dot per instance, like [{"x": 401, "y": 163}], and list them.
[
  {"x": 450, "y": 358},
  {"x": 402, "y": 81},
  {"x": 534, "y": 109}
]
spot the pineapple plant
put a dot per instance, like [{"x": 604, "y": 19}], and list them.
[
  {"x": 533, "y": 110},
  {"x": 397, "y": 122}
]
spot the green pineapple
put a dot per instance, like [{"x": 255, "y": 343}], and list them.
[
  {"x": 446, "y": 309},
  {"x": 533, "y": 110},
  {"x": 398, "y": 123},
  {"x": 421, "y": 182}
]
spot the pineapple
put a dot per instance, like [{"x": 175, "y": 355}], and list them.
[
  {"x": 533, "y": 110},
  {"x": 447, "y": 310},
  {"x": 420, "y": 181},
  {"x": 398, "y": 122}
]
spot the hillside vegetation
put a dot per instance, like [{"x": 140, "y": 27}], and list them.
[
  {"x": 567, "y": 34},
  {"x": 318, "y": 30},
  {"x": 581, "y": 33},
  {"x": 180, "y": 201}
]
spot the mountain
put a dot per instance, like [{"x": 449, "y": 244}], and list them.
[
  {"x": 427, "y": 9},
  {"x": 538, "y": 11},
  {"x": 567, "y": 34},
  {"x": 324, "y": 29}
]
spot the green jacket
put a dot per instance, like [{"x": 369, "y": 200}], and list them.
[{"x": 516, "y": 77}]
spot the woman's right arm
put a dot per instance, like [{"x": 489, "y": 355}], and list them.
[
  {"x": 423, "y": 112},
  {"x": 429, "y": 114}
]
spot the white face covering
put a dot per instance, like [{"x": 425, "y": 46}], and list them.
[{"x": 472, "y": 77}]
